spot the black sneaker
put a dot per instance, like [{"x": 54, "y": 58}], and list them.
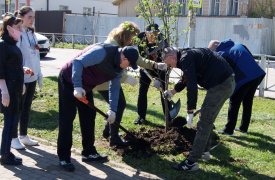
[
  {"x": 238, "y": 129},
  {"x": 106, "y": 133},
  {"x": 226, "y": 133},
  {"x": 16, "y": 157},
  {"x": 186, "y": 166},
  {"x": 118, "y": 142},
  {"x": 67, "y": 166},
  {"x": 139, "y": 121},
  {"x": 95, "y": 158},
  {"x": 11, "y": 160}
]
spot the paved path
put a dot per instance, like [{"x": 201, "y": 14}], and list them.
[{"x": 41, "y": 163}]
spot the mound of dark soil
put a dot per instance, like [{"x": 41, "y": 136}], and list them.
[{"x": 148, "y": 142}]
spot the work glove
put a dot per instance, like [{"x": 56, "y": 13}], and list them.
[
  {"x": 24, "y": 89},
  {"x": 40, "y": 81},
  {"x": 131, "y": 80},
  {"x": 189, "y": 119},
  {"x": 160, "y": 66},
  {"x": 79, "y": 92},
  {"x": 5, "y": 99},
  {"x": 157, "y": 84},
  {"x": 111, "y": 117},
  {"x": 168, "y": 94}
]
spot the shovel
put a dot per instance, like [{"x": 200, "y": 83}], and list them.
[
  {"x": 173, "y": 112},
  {"x": 85, "y": 101}
]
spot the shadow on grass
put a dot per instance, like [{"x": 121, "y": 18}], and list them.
[
  {"x": 259, "y": 141},
  {"x": 44, "y": 120},
  {"x": 230, "y": 168},
  {"x": 53, "y": 78},
  {"x": 237, "y": 166}
]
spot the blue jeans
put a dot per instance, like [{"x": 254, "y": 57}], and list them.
[{"x": 10, "y": 120}]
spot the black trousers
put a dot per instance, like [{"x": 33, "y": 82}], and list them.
[
  {"x": 144, "y": 83},
  {"x": 244, "y": 95},
  {"x": 120, "y": 109},
  {"x": 10, "y": 121},
  {"x": 24, "y": 115},
  {"x": 68, "y": 105}
]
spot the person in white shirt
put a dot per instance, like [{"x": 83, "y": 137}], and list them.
[{"x": 31, "y": 59}]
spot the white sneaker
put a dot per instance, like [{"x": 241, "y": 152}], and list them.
[
  {"x": 16, "y": 144},
  {"x": 27, "y": 141},
  {"x": 206, "y": 156}
]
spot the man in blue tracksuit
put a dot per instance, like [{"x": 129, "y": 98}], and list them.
[
  {"x": 95, "y": 65},
  {"x": 248, "y": 75}
]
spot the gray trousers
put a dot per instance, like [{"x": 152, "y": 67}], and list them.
[{"x": 212, "y": 104}]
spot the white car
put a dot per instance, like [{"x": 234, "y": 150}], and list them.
[{"x": 43, "y": 43}]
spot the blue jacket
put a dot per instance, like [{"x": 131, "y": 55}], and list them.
[{"x": 242, "y": 62}]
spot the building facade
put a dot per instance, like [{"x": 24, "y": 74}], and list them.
[
  {"x": 88, "y": 7},
  {"x": 209, "y": 7}
]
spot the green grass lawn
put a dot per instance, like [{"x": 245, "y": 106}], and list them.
[{"x": 249, "y": 156}]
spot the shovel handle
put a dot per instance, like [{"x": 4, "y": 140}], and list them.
[{"x": 88, "y": 103}]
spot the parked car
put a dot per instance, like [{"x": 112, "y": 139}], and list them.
[{"x": 43, "y": 43}]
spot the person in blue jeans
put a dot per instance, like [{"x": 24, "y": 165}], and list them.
[
  {"x": 95, "y": 65},
  {"x": 248, "y": 75},
  {"x": 11, "y": 84}
]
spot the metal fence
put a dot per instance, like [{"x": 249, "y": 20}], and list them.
[
  {"x": 267, "y": 63},
  {"x": 74, "y": 39}
]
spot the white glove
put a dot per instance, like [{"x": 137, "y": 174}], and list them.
[
  {"x": 40, "y": 82},
  {"x": 5, "y": 99},
  {"x": 79, "y": 92},
  {"x": 189, "y": 120},
  {"x": 24, "y": 89},
  {"x": 161, "y": 66},
  {"x": 111, "y": 117},
  {"x": 168, "y": 94},
  {"x": 131, "y": 80},
  {"x": 157, "y": 84}
]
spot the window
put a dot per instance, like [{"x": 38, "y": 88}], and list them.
[
  {"x": 22, "y": 4},
  {"x": 87, "y": 10},
  {"x": 2, "y": 9},
  {"x": 198, "y": 11},
  {"x": 166, "y": 5},
  {"x": 183, "y": 7},
  {"x": 12, "y": 7},
  {"x": 215, "y": 7},
  {"x": 62, "y": 7},
  {"x": 232, "y": 7}
]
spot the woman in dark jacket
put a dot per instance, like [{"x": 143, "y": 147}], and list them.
[{"x": 11, "y": 84}]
